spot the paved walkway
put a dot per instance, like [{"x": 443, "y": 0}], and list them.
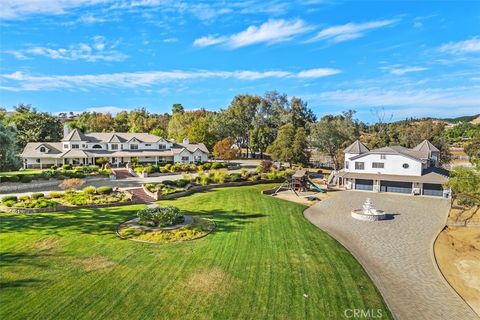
[{"x": 397, "y": 253}]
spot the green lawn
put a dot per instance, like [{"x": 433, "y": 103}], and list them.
[
  {"x": 29, "y": 171},
  {"x": 259, "y": 263}
]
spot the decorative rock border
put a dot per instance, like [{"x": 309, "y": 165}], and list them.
[{"x": 9, "y": 187}]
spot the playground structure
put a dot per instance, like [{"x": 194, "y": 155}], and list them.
[{"x": 300, "y": 182}]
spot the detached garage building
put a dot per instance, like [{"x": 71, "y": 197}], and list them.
[{"x": 393, "y": 169}]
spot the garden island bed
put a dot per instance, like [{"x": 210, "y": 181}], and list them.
[{"x": 164, "y": 225}]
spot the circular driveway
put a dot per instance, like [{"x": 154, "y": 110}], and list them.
[{"x": 396, "y": 253}]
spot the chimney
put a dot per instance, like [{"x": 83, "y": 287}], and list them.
[
  {"x": 186, "y": 141},
  {"x": 65, "y": 130}
]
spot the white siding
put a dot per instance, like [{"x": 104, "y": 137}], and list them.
[{"x": 393, "y": 164}]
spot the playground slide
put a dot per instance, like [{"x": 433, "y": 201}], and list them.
[{"x": 317, "y": 188}]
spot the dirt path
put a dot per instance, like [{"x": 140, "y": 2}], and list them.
[{"x": 457, "y": 251}]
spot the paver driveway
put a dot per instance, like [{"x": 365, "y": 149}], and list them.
[{"x": 396, "y": 253}]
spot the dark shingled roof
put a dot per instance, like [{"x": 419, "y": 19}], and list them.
[{"x": 356, "y": 147}]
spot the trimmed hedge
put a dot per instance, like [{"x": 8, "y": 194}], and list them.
[
  {"x": 9, "y": 198},
  {"x": 26, "y": 178},
  {"x": 104, "y": 190},
  {"x": 37, "y": 195}
]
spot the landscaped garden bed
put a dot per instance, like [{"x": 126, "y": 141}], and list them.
[
  {"x": 213, "y": 178},
  {"x": 164, "y": 225},
  {"x": 178, "y": 167},
  {"x": 55, "y": 201},
  {"x": 63, "y": 172}
]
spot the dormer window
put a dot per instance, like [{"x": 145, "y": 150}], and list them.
[
  {"x": 114, "y": 146},
  {"x": 97, "y": 146},
  {"x": 43, "y": 149},
  {"x": 134, "y": 147},
  {"x": 75, "y": 146},
  {"x": 65, "y": 146},
  {"x": 162, "y": 147}
]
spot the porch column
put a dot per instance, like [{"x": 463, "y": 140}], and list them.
[
  {"x": 41, "y": 163},
  {"x": 24, "y": 163},
  {"x": 156, "y": 160}
]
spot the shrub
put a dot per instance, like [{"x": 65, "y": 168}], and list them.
[
  {"x": 44, "y": 203},
  {"x": 182, "y": 183},
  {"x": 47, "y": 174},
  {"x": 55, "y": 195},
  {"x": 202, "y": 179},
  {"x": 37, "y": 195},
  {"x": 216, "y": 165},
  {"x": 104, "y": 190},
  {"x": 9, "y": 198},
  {"x": 163, "y": 170},
  {"x": 150, "y": 169},
  {"x": 72, "y": 183},
  {"x": 160, "y": 216},
  {"x": 89, "y": 190},
  {"x": 24, "y": 198},
  {"x": 66, "y": 167},
  {"x": 219, "y": 176},
  {"x": 151, "y": 187},
  {"x": 266, "y": 165},
  {"x": 168, "y": 166},
  {"x": 13, "y": 178},
  {"x": 9, "y": 203},
  {"x": 105, "y": 172},
  {"x": 138, "y": 169},
  {"x": 235, "y": 177},
  {"x": 54, "y": 167},
  {"x": 94, "y": 168},
  {"x": 254, "y": 178},
  {"x": 207, "y": 165},
  {"x": 169, "y": 183}
]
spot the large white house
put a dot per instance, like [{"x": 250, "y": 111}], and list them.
[
  {"x": 393, "y": 169},
  {"x": 77, "y": 148}
]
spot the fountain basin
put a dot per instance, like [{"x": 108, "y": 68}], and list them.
[{"x": 372, "y": 215}]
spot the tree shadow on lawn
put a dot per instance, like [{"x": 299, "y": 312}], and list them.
[
  {"x": 17, "y": 259},
  {"x": 227, "y": 221},
  {"x": 90, "y": 221},
  {"x": 105, "y": 222}
]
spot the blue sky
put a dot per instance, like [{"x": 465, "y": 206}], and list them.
[{"x": 412, "y": 59}]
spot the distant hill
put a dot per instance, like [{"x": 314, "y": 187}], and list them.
[{"x": 474, "y": 119}]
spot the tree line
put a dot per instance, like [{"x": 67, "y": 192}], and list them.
[{"x": 284, "y": 128}]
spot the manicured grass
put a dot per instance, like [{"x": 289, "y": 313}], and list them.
[
  {"x": 260, "y": 262},
  {"x": 29, "y": 171}
]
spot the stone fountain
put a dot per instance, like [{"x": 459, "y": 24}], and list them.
[{"x": 368, "y": 212}]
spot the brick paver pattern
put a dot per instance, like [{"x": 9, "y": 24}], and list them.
[{"x": 397, "y": 253}]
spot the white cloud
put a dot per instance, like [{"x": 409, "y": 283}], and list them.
[
  {"x": 81, "y": 51},
  {"x": 269, "y": 32},
  {"x": 19, "y": 81},
  {"x": 468, "y": 46},
  {"x": 317, "y": 73},
  {"x": 209, "y": 40},
  {"x": 15, "y": 9},
  {"x": 399, "y": 70},
  {"x": 170, "y": 40},
  {"x": 350, "y": 31}
]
